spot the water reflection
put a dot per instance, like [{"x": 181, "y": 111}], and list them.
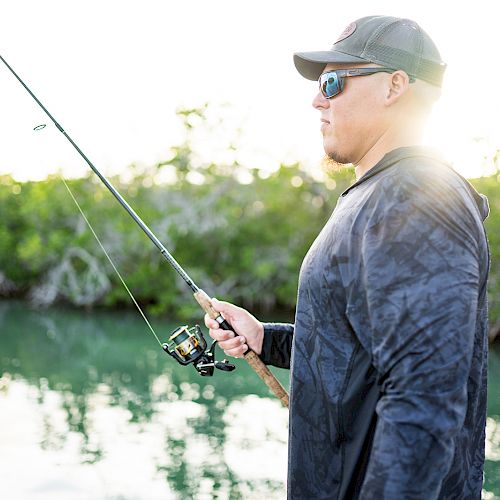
[
  {"x": 492, "y": 464},
  {"x": 92, "y": 408}
]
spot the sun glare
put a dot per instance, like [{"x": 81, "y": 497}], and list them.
[
  {"x": 119, "y": 98},
  {"x": 471, "y": 149}
]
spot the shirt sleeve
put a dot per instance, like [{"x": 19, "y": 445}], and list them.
[
  {"x": 415, "y": 302},
  {"x": 277, "y": 345}
]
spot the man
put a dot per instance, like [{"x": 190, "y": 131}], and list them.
[{"x": 388, "y": 352}]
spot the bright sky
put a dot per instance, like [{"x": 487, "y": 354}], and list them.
[{"x": 113, "y": 72}]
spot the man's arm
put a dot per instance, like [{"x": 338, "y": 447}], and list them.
[
  {"x": 419, "y": 281},
  {"x": 277, "y": 344}
]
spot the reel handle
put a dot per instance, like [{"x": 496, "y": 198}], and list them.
[{"x": 251, "y": 357}]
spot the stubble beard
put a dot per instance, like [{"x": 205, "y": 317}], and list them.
[{"x": 335, "y": 162}]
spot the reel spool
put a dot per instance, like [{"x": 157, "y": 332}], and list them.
[{"x": 188, "y": 345}]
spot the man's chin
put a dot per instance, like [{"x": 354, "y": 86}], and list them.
[
  {"x": 334, "y": 153},
  {"x": 331, "y": 166},
  {"x": 334, "y": 161}
]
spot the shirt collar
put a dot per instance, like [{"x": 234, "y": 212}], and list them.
[{"x": 390, "y": 159}]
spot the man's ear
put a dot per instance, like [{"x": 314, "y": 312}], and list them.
[{"x": 398, "y": 84}]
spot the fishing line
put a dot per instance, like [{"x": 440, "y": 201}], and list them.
[
  {"x": 204, "y": 362},
  {"x": 110, "y": 261}
]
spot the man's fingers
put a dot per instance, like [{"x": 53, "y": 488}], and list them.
[
  {"x": 222, "y": 335},
  {"x": 232, "y": 346},
  {"x": 238, "y": 351},
  {"x": 211, "y": 323}
]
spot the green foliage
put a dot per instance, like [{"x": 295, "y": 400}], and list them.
[
  {"x": 239, "y": 241},
  {"x": 490, "y": 186}
]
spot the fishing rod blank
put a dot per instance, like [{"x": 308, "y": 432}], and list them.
[
  {"x": 110, "y": 187},
  {"x": 201, "y": 297}
]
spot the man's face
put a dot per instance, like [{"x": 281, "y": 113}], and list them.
[{"x": 352, "y": 121}]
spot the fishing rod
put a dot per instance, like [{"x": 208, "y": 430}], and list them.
[{"x": 187, "y": 345}]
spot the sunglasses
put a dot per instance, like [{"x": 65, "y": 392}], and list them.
[{"x": 331, "y": 83}]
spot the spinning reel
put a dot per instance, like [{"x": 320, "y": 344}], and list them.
[{"x": 187, "y": 345}]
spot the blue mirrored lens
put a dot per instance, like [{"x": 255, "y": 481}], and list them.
[{"x": 329, "y": 84}]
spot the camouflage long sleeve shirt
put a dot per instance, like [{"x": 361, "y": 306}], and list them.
[{"x": 388, "y": 353}]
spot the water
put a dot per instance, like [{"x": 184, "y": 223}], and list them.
[
  {"x": 91, "y": 408},
  {"x": 492, "y": 465}
]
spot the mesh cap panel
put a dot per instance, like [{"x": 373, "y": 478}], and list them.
[{"x": 388, "y": 41}]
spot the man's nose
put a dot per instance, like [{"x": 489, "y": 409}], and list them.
[{"x": 320, "y": 101}]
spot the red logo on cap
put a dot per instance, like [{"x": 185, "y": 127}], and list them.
[{"x": 347, "y": 32}]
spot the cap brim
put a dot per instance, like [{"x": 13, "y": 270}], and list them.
[{"x": 311, "y": 64}]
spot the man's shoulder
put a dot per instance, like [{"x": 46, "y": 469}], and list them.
[
  {"x": 423, "y": 170},
  {"x": 429, "y": 186},
  {"x": 409, "y": 179},
  {"x": 426, "y": 178}
]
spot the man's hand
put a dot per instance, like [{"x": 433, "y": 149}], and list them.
[{"x": 249, "y": 329}]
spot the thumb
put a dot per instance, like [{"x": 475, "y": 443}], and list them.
[{"x": 226, "y": 308}]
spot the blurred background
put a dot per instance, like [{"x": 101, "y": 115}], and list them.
[{"x": 195, "y": 112}]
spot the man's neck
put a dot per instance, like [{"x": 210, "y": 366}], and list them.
[{"x": 387, "y": 142}]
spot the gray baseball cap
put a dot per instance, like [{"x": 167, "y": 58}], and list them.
[{"x": 388, "y": 41}]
